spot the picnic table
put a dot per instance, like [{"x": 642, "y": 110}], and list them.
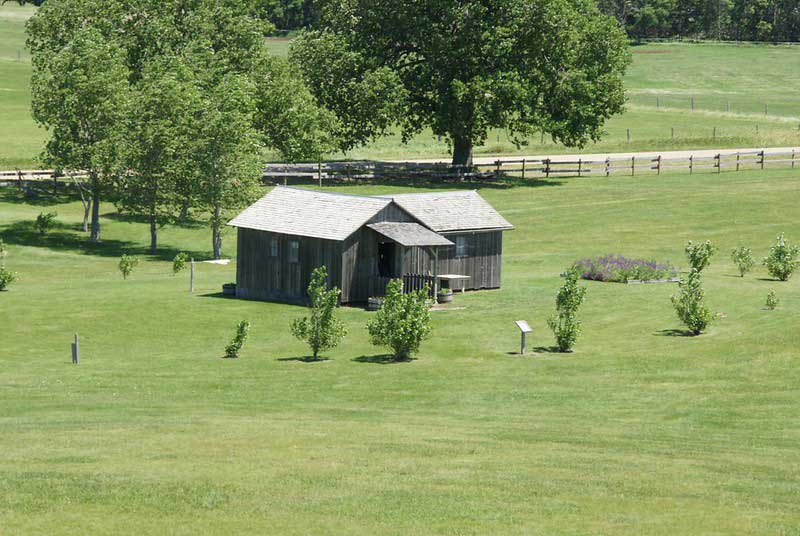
[{"x": 454, "y": 277}]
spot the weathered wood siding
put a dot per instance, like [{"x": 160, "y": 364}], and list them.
[
  {"x": 260, "y": 276},
  {"x": 360, "y": 276},
  {"x": 483, "y": 263}
]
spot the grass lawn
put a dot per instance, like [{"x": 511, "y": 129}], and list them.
[
  {"x": 746, "y": 76},
  {"x": 640, "y": 431}
]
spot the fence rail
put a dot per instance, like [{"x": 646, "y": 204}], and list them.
[{"x": 519, "y": 169}]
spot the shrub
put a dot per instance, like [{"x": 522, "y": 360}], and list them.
[
  {"x": 45, "y": 222},
  {"x": 690, "y": 303},
  {"x": 235, "y": 346},
  {"x": 772, "y": 300},
  {"x": 321, "y": 330},
  {"x": 3, "y": 251},
  {"x": 565, "y": 324},
  {"x": 782, "y": 260},
  {"x": 6, "y": 278},
  {"x": 126, "y": 265},
  {"x": 403, "y": 321},
  {"x": 179, "y": 262},
  {"x": 699, "y": 255},
  {"x": 742, "y": 257},
  {"x": 620, "y": 269}
]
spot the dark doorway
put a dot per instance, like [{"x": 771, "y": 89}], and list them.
[{"x": 386, "y": 258}]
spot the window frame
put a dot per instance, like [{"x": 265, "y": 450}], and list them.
[
  {"x": 462, "y": 246},
  {"x": 274, "y": 247},
  {"x": 293, "y": 256}
]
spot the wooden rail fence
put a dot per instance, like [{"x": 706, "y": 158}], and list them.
[{"x": 522, "y": 169}]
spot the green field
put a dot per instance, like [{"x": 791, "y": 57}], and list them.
[
  {"x": 748, "y": 77},
  {"x": 640, "y": 431}
]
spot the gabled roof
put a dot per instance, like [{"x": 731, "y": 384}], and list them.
[
  {"x": 463, "y": 210},
  {"x": 302, "y": 212},
  {"x": 409, "y": 234}
]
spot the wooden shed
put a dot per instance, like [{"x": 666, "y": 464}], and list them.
[{"x": 364, "y": 241}]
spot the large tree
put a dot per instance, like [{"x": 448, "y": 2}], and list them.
[
  {"x": 462, "y": 68},
  {"x": 79, "y": 95}
]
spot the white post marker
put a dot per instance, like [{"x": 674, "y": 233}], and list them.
[{"x": 524, "y": 329}]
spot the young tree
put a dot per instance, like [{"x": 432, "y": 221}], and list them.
[
  {"x": 742, "y": 257},
  {"x": 235, "y": 346},
  {"x": 565, "y": 324},
  {"x": 462, "y": 68},
  {"x": 402, "y": 322},
  {"x": 690, "y": 303},
  {"x": 321, "y": 330},
  {"x": 126, "y": 264},
  {"x": 783, "y": 259},
  {"x": 78, "y": 94}
]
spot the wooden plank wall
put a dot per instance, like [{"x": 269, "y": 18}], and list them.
[
  {"x": 262, "y": 277},
  {"x": 483, "y": 264}
]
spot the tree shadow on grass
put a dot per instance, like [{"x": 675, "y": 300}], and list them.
[
  {"x": 548, "y": 350},
  {"x": 504, "y": 181},
  {"x": 305, "y": 359},
  {"x": 382, "y": 359},
  {"x": 39, "y": 197},
  {"x": 64, "y": 237},
  {"x": 674, "y": 333},
  {"x": 189, "y": 223}
]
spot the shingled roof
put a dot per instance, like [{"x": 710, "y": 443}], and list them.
[
  {"x": 301, "y": 212},
  {"x": 409, "y": 234},
  {"x": 463, "y": 210}
]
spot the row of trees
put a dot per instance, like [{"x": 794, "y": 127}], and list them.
[
  {"x": 166, "y": 105},
  {"x": 740, "y": 20}
]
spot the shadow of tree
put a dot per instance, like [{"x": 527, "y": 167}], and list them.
[
  {"x": 70, "y": 238},
  {"x": 382, "y": 359},
  {"x": 189, "y": 223},
  {"x": 549, "y": 350},
  {"x": 305, "y": 359},
  {"x": 674, "y": 333},
  {"x": 39, "y": 197}
]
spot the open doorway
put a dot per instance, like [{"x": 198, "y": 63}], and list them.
[{"x": 387, "y": 255}]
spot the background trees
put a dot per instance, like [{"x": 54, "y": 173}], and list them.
[{"x": 463, "y": 68}]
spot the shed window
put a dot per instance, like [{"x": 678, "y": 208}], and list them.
[
  {"x": 273, "y": 247},
  {"x": 462, "y": 246},
  {"x": 294, "y": 251}
]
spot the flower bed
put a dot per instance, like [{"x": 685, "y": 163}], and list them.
[{"x": 620, "y": 269}]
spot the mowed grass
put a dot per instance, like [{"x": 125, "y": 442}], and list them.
[
  {"x": 639, "y": 431},
  {"x": 746, "y": 76}
]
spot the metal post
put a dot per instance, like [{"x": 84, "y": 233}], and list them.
[
  {"x": 75, "y": 351},
  {"x": 191, "y": 275},
  {"x": 522, "y": 344}
]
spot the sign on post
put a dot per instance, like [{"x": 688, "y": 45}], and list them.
[{"x": 524, "y": 329}]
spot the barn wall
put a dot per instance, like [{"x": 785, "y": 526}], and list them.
[
  {"x": 483, "y": 264},
  {"x": 262, "y": 277}
]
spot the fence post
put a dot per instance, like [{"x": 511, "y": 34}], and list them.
[
  {"x": 691, "y": 164},
  {"x": 547, "y": 168},
  {"x": 659, "y": 165},
  {"x": 718, "y": 162},
  {"x": 523, "y": 169},
  {"x": 737, "y": 160},
  {"x": 608, "y": 166},
  {"x": 319, "y": 172},
  {"x": 633, "y": 166},
  {"x": 580, "y": 165},
  {"x": 763, "y": 157},
  {"x": 792, "y": 158},
  {"x": 497, "y": 171}
]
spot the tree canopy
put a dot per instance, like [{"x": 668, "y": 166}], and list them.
[{"x": 462, "y": 68}]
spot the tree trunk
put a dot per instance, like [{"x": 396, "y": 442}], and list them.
[
  {"x": 184, "y": 211},
  {"x": 462, "y": 151},
  {"x": 87, "y": 207},
  {"x": 153, "y": 234},
  {"x": 94, "y": 236},
  {"x": 216, "y": 235}
]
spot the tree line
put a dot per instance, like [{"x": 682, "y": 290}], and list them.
[{"x": 733, "y": 20}]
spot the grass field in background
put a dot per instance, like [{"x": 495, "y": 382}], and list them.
[
  {"x": 640, "y": 431},
  {"x": 746, "y": 75}
]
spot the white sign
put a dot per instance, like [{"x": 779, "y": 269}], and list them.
[{"x": 523, "y": 326}]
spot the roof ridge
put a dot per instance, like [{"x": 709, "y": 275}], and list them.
[{"x": 325, "y": 192}]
